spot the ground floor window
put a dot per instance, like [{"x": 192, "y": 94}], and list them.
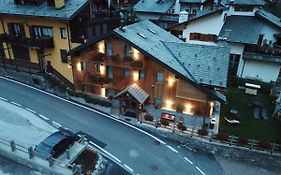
[
  {"x": 109, "y": 92},
  {"x": 21, "y": 53}
]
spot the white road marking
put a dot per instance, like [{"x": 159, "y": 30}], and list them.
[
  {"x": 43, "y": 117},
  {"x": 200, "y": 171},
  {"x": 188, "y": 160},
  {"x": 56, "y": 124},
  {"x": 19, "y": 105},
  {"x": 30, "y": 110},
  {"x": 188, "y": 148},
  {"x": 4, "y": 99},
  {"x": 128, "y": 168},
  {"x": 173, "y": 149},
  {"x": 105, "y": 151},
  {"x": 90, "y": 109}
]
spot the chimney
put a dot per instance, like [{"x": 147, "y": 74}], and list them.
[
  {"x": 59, "y": 4},
  {"x": 183, "y": 16},
  {"x": 177, "y": 7}
]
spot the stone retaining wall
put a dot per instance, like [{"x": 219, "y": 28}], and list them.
[{"x": 257, "y": 158}]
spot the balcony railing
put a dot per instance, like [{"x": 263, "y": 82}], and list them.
[
  {"x": 273, "y": 50},
  {"x": 98, "y": 18},
  {"x": 116, "y": 61},
  {"x": 43, "y": 42},
  {"x": 97, "y": 79}
]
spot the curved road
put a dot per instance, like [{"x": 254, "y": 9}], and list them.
[{"x": 143, "y": 154}]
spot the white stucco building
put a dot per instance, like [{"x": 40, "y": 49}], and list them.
[{"x": 253, "y": 35}]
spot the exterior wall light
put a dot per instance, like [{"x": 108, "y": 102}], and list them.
[
  {"x": 136, "y": 75},
  {"x": 171, "y": 81}
]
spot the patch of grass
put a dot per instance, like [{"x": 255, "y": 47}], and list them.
[{"x": 249, "y": 127}]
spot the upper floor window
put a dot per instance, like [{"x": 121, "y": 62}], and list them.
[
  {"x": 51, "y": 3},
  {"x": 28, "y": 2},
  {"x": 127, "y": 51},
  {"x": 108, "y": 47},
  {"x": 109, "y": 72},
  {"x": 141, "y": 75},
  {"x": 159, "y": 77},
  {"x": 83, "y": 66},
  {"x": 63, "y": 33},
  {"x": 202, "y": 37},
  {"x": 41, "y": 31},
  {"x": 16, "y": 29},
  {"x": 127, "y": 73}
]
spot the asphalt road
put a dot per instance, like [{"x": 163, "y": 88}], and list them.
[{"x": 139, "y": 152}]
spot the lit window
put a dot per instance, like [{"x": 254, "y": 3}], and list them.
[{"x": 83, "y": 66}]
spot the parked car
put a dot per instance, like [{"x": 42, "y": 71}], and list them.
[{"x": 56, "y": 143}]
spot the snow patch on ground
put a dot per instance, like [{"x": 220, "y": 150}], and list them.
[{"x": 20, "y": 125}]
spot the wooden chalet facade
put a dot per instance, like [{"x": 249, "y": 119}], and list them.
[{"x": 107, "y": 65}]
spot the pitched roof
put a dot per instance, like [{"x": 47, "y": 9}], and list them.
[
  {"x": 207, "y": 64},
  {"x": 199, "y": 15},
  {"x": 241, "y": 29},
  {"x": 245, "y": 2},
  {"x": 191, "y": 1},
  {"x": 72, "y": 7},
  {"x": 163, "y": 47},
  {"x": 149, "y": 38},
  {"x": 156, "y": 6},
  {"x": 135, "y": 91},
  {"x": 269, "y": 17}
]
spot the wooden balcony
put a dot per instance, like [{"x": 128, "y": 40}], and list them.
[
  {"x": 116, "y": 61},
  {"x": 99, "y": 80},
  {"x": 43, "y": 42},
  {"x": 98, "y": 18},
  {"x": 271, "y": 50}
]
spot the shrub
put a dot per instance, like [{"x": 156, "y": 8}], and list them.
[
  {"x": 36, "y": 81},
  {"x": 181, "y": 127},
  {"x": 203, "y": 132},
  {"x": 90, "y": 99},
  {"x": 61, "y": 87},
  {"x": 179, "y": 108},
  {"x": 164, "y": 122},
  {"x": 264, "y": 145},
  {"x": 148, "y": 117},
  {"x": 52, "y": 80},
  {"x": 222, "y": 136},
  {"x": 243, "y": 141}
]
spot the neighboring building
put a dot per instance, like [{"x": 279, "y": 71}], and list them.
[
  {"x": 252, "y": 33},
  {"x": 36, "y": 33},
  {"x": 166, "y": 13},
  {"x": 142, "y": 63}
]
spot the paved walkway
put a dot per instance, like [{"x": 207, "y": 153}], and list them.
[
  {"x": 231, "y": 167},
  {"x": 189, "y": 120}
]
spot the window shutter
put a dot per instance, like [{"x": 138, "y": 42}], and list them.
[{"x": 31, "y": 31}]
